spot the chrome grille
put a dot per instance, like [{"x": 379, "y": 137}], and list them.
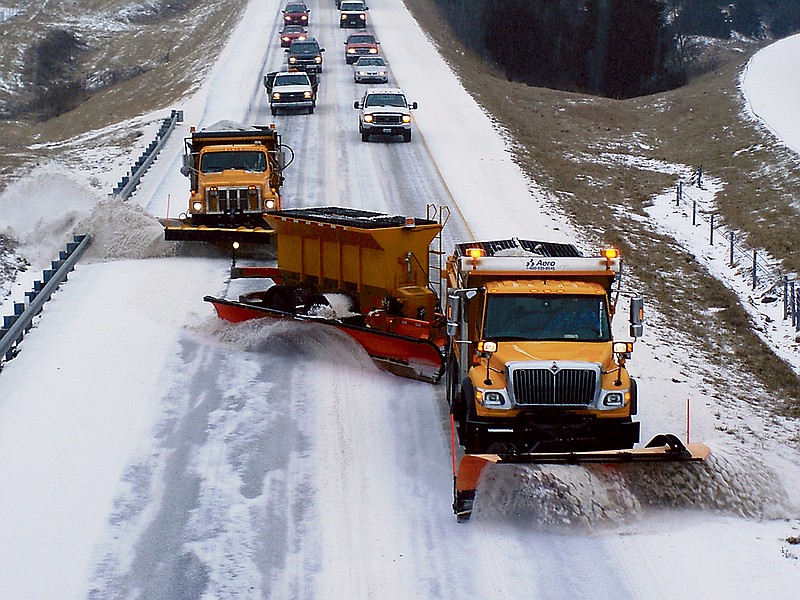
[
  {"x": 546, "y": 387},
  {"x": 231, "y": 200}
]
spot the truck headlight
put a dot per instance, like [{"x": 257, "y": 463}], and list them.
[
  {"x": 367, "y": 118},
  {"x": 490, "y": 398},
  {"x": 306, "y": 94},
  {"x": 276, "y": 95},
  {"x": 292, "y": 60},
  {"x": 317, "y": 59},
  {"x": 406, "y": 118},
  {"x": 373, "y": 50},
  {"x": 269, "y": 203},
  {"x": 197, "y": 206},
  {"x": 614, "y": 399}
]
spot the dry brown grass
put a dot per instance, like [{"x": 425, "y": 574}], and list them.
[{"x": 136, "y": 64}]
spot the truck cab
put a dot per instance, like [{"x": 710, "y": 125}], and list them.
[
  {"x": 532, "y": 363},
  {"x": 235, "y": 175}
]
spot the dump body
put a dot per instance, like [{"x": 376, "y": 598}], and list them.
[
  {"x": 381, "y": 261},
  {"x": 532, "y": 361},
  {"x": 235, "y": 175}
]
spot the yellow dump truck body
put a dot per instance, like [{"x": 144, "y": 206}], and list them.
[{"x": 376, "y": 259}]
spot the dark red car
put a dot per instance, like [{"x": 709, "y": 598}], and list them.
[
  {"x": 289, "y": 33},
  {"x": 296, "y": 13},
  {"x": 360, "y": 44}
]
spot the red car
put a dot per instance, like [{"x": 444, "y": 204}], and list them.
[
  {"x": 289, "y": 33},
  {"x": 360, "y": 44},
  {"x": 296, "y": 13}
]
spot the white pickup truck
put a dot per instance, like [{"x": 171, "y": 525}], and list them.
[
  {"x": 291, "y": 89},
  {"x": 384, "y": 111}
]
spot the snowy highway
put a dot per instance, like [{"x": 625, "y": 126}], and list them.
[{"x": 149, "y": 450}]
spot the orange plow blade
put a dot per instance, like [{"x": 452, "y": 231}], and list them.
[
  {"x": 406, "y": 356},
  {"x": 662, "y": 448}
]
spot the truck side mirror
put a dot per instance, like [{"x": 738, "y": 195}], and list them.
[
  {"x": 637, "y": 318},
  {"x": 453, "y": 313},
  {"x": 413, "y": 106},
  {"x": 355, "y": 105}
]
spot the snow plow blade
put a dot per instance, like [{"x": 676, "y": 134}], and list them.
[
  {"x": 406, "y": 356},
  {"x": 178, "y": 231},
  {"x": 662, "y": 448}
]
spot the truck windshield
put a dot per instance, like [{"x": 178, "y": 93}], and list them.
[
  {"x": 299, "y": 79},
  {"x": 386, "y": 100},
  {"x": 546, "y": 317},
  {"x": 216, "y": 162}
]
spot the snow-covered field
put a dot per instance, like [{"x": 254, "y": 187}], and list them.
[{"x": 149, "y": 451}]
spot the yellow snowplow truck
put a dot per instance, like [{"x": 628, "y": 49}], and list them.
[
  {"x": 235, "y": 175},
  {"x": 533, "y": 372}
]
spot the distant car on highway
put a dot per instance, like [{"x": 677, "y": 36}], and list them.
[
  {"x": 384, "y": 111},
  {"x": 290, "y": 33},
  {"x": 305, "y": 55},
  {"x": 359, "y": 44},
  {"x": 353, "y": 13},
  {"x": 296, "y": 13},
  {"x": 370, "y": 69},
  {"x": 291, "y": 90}
]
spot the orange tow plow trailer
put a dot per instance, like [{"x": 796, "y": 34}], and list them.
[{"x": 376, "y": 266}]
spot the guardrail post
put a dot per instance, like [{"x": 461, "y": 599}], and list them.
[
  {"x": 679, "y": 194},
  {"x": 755, "y": 266},
  {"x": 733, "y": 237}
]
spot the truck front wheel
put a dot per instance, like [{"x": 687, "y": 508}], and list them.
[
  {"x": 364, "y": 136},
  {"x": 407, "y": 135}
]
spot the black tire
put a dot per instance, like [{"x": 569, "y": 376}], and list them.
[
  {"x": 273, "y": 110},
  {"x": 407, "y": 135},
  {"x": 311, "y": 110},
  {"x": 279, "y": 298},
  {"x": 364, "y": 136}
]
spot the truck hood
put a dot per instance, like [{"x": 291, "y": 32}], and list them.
[
  {"x": 235, "y": 178},
  {"x": 289, "y": 89},
  {"x": 525, "y": 351},
  {"x": 387, "y": 110}
]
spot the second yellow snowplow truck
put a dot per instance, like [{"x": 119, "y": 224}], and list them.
[
  {"x": 532, "y": 364},
  {"x": 235, "y": 174}
]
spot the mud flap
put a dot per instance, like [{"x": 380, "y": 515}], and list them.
[{"x": 662, "y": 448}]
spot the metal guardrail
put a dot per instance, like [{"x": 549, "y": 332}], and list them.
[
  {"x": 17, "y": 325},
  {"x": 128, "y": 184}
]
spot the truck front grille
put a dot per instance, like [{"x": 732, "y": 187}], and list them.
[
  {"x": 544, "y": 387},
  {"x": 232, "y": 200},
  {"x": 387, "y": 119}
]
